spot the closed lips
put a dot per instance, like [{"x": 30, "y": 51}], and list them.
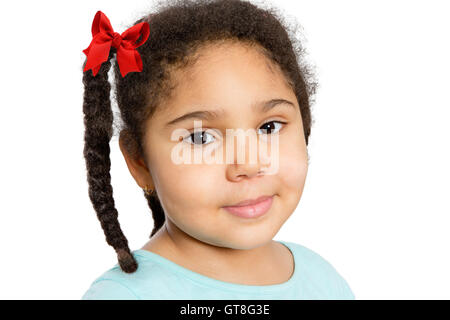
[
  {"x": 250, "y": 201},
  {"x": 251, "y": 208}
]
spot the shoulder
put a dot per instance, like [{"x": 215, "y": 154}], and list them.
[
  {"x": 109, "y": 289},
  {"x": 115, "y": 284},
  {"x": 319, "y": 272}
]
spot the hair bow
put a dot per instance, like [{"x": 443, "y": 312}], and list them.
[{"x": 103, "y": 37}]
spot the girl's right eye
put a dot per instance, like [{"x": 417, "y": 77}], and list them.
[{"x": 198, "y": 138}]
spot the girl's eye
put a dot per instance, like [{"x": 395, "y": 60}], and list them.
[
  {"x": 198, "y": 138},
  {"x": 270, "y": 127},
  {"x": 201, "y": 137}
]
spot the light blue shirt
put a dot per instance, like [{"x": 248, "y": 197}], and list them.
[{"x": 158, "y": 278}]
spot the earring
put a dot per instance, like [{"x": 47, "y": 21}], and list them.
[{"x": 147, "y": 190}]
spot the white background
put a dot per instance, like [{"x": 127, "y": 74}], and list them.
[{"x": 376, "y": 200}]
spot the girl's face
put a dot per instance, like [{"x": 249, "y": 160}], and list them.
[{"x": 231, "y": 81}]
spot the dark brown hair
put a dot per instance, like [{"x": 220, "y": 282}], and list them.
[{"x": 177, "y": 30}]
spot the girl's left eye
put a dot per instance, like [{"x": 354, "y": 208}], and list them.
[{"x": 270, "y": 128}]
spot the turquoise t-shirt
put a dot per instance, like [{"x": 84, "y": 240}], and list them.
[{"x": 158, "y": 278}]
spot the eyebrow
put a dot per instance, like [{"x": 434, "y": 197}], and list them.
[{"x": 214, "y": 114}]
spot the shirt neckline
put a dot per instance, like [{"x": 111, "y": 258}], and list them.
[{"x": 215, "y": 283}]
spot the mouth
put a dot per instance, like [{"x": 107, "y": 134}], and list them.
[{"x": 251, "y": 208}]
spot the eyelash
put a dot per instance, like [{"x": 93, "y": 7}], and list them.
[{"x": 192, "y": 134}]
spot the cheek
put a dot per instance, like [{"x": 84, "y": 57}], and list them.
[
  {"x": 293, "y": 164},
  {"x": 187, "y": 189}
]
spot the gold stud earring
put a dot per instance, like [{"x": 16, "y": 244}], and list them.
[{"x": 147, "y": 190}]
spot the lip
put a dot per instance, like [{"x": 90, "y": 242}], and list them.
[{"x": 251, "y": 208}]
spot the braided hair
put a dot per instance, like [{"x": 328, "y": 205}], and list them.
[{"x": 178, "y": 29}]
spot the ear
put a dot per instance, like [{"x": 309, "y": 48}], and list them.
[{"x": 136, "y": 166}]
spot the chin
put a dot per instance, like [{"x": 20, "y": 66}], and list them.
[{"x": 245, "y": 242}]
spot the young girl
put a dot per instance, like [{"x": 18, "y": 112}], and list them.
[{"x": 229, "y": 65}]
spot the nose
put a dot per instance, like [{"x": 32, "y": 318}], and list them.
[
  {"x": 241, "y": 171},
  {"x": 248, "y": 168}
]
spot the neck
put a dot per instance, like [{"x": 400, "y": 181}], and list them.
[{"x": 250, "y": 266}]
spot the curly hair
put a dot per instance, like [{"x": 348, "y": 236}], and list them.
[{"x": 178, "y": 29}]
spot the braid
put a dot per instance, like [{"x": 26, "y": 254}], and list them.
[
  {"x": 98, "y": 120},
  {"x": 157, "y": 211}
]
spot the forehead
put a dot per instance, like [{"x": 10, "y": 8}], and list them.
[
  {"x": 228, "y": 61},
  {"x": 226, "y": 74}
]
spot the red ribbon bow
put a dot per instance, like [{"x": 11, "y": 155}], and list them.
[{"x": 103, "y": 37}]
